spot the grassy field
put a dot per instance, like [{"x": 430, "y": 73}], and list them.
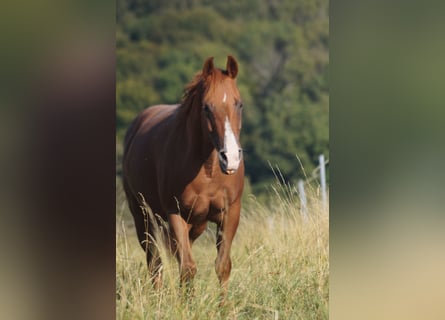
[{"x": 280, "y": 266}]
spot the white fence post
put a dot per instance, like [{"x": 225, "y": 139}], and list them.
[
  {"x": 323, "y": 182},
  {"x": 303, "y": 201}
]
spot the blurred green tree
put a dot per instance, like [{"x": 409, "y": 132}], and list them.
[{"x": 283, "y": 51}]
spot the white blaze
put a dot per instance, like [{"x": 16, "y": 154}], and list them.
[
  {"x": 225, "y": 97},
  {"x": 230, "y": 144}
]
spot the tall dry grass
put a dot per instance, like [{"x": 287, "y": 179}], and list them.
[{"x": 280, "y": 267}]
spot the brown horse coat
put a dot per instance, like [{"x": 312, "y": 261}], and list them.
[{"x": 186, "y": 162}]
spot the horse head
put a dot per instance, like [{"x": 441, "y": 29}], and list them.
[{"x": 221, "y": 112}]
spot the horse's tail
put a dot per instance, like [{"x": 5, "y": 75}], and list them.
[
  {"x": 128, "y": 139},
  {"x": 131, "y": 131}
]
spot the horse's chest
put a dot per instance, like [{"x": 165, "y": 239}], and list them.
[{"x": 198, "y": 205}]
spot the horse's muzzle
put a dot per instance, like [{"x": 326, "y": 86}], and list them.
[{"x": 229, "y": 163}]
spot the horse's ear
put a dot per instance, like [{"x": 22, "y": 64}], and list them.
[
  {"x": 208, "y": 67},
  {"x": 232, "y": 67}
]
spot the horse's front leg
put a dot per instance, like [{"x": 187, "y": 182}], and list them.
[
  {"x": 182, "y": 247},
  {"x": 225, "y": 234}
]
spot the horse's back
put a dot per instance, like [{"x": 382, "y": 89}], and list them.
[
  {"x": 141, "y": 147},
  {"x": 144, "y": 122}
]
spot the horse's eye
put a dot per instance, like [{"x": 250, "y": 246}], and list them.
[
  {"x": 240, "y": 105},
  {"x": 206, "y": 108}
]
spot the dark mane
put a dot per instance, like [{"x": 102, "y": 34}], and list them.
[
  {"x": 199, "y": 85},
  {"x": 193, "y": 88}
]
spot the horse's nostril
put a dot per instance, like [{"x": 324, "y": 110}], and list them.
[{"x": 222, "y": 156}]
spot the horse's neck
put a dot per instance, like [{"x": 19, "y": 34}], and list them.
[{"x": 197, "y": 141}]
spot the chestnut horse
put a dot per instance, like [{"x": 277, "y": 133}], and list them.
[{"x": 186, "y": 162}]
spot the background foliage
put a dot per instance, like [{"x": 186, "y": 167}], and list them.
[{"x": 283, "y": 51}]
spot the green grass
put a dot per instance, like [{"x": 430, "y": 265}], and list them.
[{"x": 280, "y": 267}]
